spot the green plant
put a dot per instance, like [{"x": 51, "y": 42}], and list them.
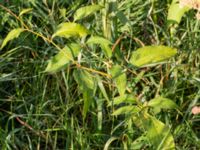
[{"x": 91, "y": 74}]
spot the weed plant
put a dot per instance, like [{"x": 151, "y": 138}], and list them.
[{"x": 42, "y": 110}]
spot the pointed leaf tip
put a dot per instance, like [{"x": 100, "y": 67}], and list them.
[
  {"x": 11, "y": 35},
  {"x": 70, "y": 29},
  {"x": 149, "y": 55},
  {"x": 61, "y": 60},
  {"x": 86, "y": 11}
]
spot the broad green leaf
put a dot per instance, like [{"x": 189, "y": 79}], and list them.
[
  {"x": 87, "y": 85},
  {"x": 149, "y": 55},
  {"x": 104, "y": 44},
  {"x": 176, "y": 12},
  {"x": 61, "y": 60},
  {"x": 11, "y": 35},
  {"x": 85, "y": 80},
  {"x": 158, "y": 133},
  {"x": 159, "y": 103},
  {"x": 119, "y": 77},
  {"x": 24, "y": 11},
  {"x": 126, "y": 98},
  {"x": 126, "y": 110},
  {"x": 70, "y": 29},
  {"x": 86, "y": 11}
]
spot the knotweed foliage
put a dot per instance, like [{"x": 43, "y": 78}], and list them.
[{"x": 99, "y": 74}]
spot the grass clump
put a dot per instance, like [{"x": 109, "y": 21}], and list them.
[{"x": 79, "y": 89}]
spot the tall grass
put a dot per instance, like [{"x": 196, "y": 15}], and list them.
[{"x": 44, "y": 111}]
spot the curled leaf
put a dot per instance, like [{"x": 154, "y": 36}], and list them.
[
  {"x": 176, "y": 12},
  {"x": 24, "y": 11},
  {"x": 86, "y": 11},
  {"x": 126, "y": 110},
  {"x": 103, "y": 42},
  {"x": 11, "y": 35},
  {"x": 70, "y": 29}
]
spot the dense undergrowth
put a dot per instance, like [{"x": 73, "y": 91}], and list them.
[{"x": 42, "y": 110}]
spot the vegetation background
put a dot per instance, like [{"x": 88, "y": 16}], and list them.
[{"x": 41, "y": 110}]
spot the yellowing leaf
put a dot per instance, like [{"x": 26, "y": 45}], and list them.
[
  {"x": 69, "y": 29},
  {"x": 60, "y": 61},
  {"x": 149, "y": 55},
  {"x": 176, "y": 12},
  {"x": 119, "y": 77},
  {"x": 104, "y": 44},
  {"x": 158, "y": 133},
  {"x": 24, "y": 11},
  {"x": 11, "y": 35},
  {"x": 86, "y": 11}
]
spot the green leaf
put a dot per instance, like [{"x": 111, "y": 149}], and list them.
[
  {"x": 109, "y": 141},
  {"x": 104, "y": 44},
  {"x": 24, "y": 11},
  {"x": 86, "y": 11},
  {"x": 119, "y": 77},
  {"x": 102, "y": 88},
  {"x": 70, "y": 29},
  {"x": 11, "y": 35},
  {"x": 126, "y": 98},
  {"x": 122, "y": 17},
  {"x": 87, "y": 85},
  {"x": 126, "y": 110},
  {"x": 159, "y": 103},
  {"x": 158, "y": 133},
  {"x": 149, "y": 55},
  {"x": 176, "y": 12},
  {"x": 139, "y": 142},
  {"x": 61, "y": 60}
]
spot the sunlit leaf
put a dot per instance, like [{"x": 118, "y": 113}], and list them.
[
  {"x": 86, "y": 11},
  {"x": 24, "y": 11},
  {"x": 176, "y": 12},
  {"x": 126, "y": 98},
  {"x": 159, "y": 103},
  {"x": 103, "y": 42},
  {"x": 69, "y": 29},
  {"x": 87, "y": 85},
  {"x": 11, "y": 35},
  {"x": 61, "y": 60},
  {"x": 126, "y": 110},
  {"x": 63, "y": 12},
  {"x": 119, "y": 77},
  {"x": 151, "y": 54},
  {"x": 158, "y": 133}
]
